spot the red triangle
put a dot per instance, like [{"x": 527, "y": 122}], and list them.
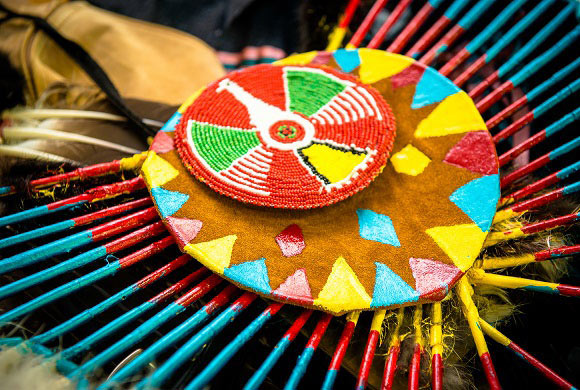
[
  {"x": 408, "y": 76},
  {"x": 184, "y": 229},
  {"x": 432, "y": 278},
  {"x": 296, "y": 288},
  {"x": 475, "y": 152},
  {"x": 291, "y": 241},
  {"x": 162, "y": 143}
]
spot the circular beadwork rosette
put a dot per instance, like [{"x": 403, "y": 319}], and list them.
[
  {"x": 286, "y": 136},
  {"x": 396, "y": 237}
]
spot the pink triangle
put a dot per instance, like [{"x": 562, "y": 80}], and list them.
[
  {"x": 322, "y": 58},
  {"x": 475, "y": 152},
  {"x": 162, "y": 143},
  {"x": 184, "y": 229},
  {"x": 291, "y": 241},
  {"x": 408, "y": 76},
  {"x": 432, "y": 278},
  {"x": 296, "y": 288}
]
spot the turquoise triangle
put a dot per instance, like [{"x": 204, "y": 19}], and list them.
[
  {"x": 347, "y": 59},
  {"x": 478, "y": 199},
  {"x": 172, "y": 122},
  {"x": 377, "y": 227},
  {"x": 390, "y": 289},
  {"x": 432, "y": 88},
  {"x": 253, "y": 274},
  {"x": 168, "y": 202}
]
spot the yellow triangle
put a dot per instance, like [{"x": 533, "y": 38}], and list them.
[
  {"x": 376, "y": 65},
  {"x": 342, "y": 291},
  {"x": 454, "y": 115},
  {"x": 216, "y": 254},
  {"x": 298, "y": 59},
  {"x": 190, "y": 100},
  {"x": 335, "y": 165},
  {"x": 157, "y": 171},
  {"x": 462, "y": 243}
]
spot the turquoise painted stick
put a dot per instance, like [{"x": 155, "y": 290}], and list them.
[{"x": 228, "y": 352}]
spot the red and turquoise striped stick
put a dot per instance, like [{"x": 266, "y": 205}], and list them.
[
  {"x": 501, "y": 44},
  {"x": 436, "y": 28},
  {"x": 366, "y": 24},
  {"x": 539, "y": 162},
  {"x": 531, "y": 228},
  {"x": 340, "y": 350},
  {"x": 306, "y": 355},
  {"x": 414, "y": 25},
  {"x": 92, "y": 195},
  {"x": 227, "y": 353},
  {"x": 260, "y": 374},
  {"x": 132, "y": 315},
  {"x": 112, "y": 268},
  {"x": 379, "y": 37},
  {"x": 83, "y": 238},
  {"x": 456, "y": 31},
  {"x": 540, "y": 136},
  {"x": 149, "y": 326},
  {"x": 542, "y": 200},
  {"x": 527, "y": 258},
  {"x": 479, "y": 276},
  {"x": 533, "y": 94},
  {"x": 540, "y": 110},
  {"x": 83, "y": 173},
  {"x": 170, "y": 339},
  {"x": 78, "y": 261},
  {"x": 196, "y": 342},
  {"x": 90, "y": 314},
  {"x": 491, "y": 29},
  {"x": 541, "y": 184},
  {"x": 524, "y": 355},
  {"x": 518, "y": 57},
  {"x": 370, "y": 348},
  {"x": 528, "y": 71},
  {"x": 73, "y": 222}
]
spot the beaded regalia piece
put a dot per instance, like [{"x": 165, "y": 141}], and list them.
[
  {"x": 333, "y": 182},
  {"x": 262, "y": 138}
]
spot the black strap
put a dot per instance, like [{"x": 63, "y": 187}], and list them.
[{"x": 89, "y": 65}]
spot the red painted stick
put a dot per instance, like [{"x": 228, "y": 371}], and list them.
[
  {"x": 481, "y": 87},
  {"x": 367, "y": 23},
  {"x": 506, "y": 112},
  {"x": 415, "y": 368},
  {"x": 415, "y": 23},
  {"x": 427, "y": 38},
  {"x": 370, "y": 348},
  {"x": 489, "y": 100},
  {"x": 512, "y": 128},
  {"x": 524, "y": 170},
  {"x": 390, "y": 367},
  {"x": 522, "y": 147},
  {"x": 348, "y": 13},
  {"x": 454, "y": 62},
  {"x": 549, "y": 223},
  {"x": 470, "y": 71},
  {"x": 447, "y": 40},
  {"x": 389, "y": 23}
]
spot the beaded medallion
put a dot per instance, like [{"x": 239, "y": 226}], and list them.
[
  {"x": 388, "y": 235},
  {"x": 287, "y": 136}
]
